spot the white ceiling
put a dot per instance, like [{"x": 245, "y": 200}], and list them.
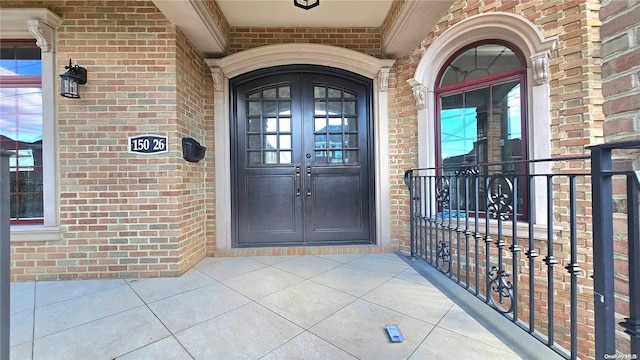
[
  {"x": 414, "y": 20},
  {"x": 282, "y": 13}
]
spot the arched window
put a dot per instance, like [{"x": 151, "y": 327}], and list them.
[{"x": 481, "y": 111}]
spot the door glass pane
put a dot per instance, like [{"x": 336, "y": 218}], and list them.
[
  {"x": 270, "y": 157},
  {"x": 351, "y": 141},
  {"x": 270, "y": 125},
  {"x": 284, "y": 92},
  {"x": 253, "y": 124},
  {"x": 285, "y": 108},
  {"x": 321, "y": 157},
  {"x": 334, "y": 93},
  {"x": 349, "y": 107},
  {"x": 319, "y": 92},
  {"x": 254, "y": 108},
  {"x": 351, "y": 156},
  {"x": 269, "y": 128},
  {"x": 335, "y": 156},
  {"x": 269, "y": 108},
  {"x": 271, "y": 141},
  {"x": 348, "y": 95},
  {"x": 335, "y": 108},
  {"x": 255, "y": 157},
  {"x": 335, "y": 125},
  {"x": 285, "y": 141},
  {"x": 320, "y": 141},
  {"x": 350, "y": 124},
  {"x": 320, "y": 107},
  {"x": 320, "y": 125},
  {"x": 285, "y": 157},
  {"x": 285, "y": 124},
  {"x": 254, "y": 142},
  {"x": 335, "y": 141}
]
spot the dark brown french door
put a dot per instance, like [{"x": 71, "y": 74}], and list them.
[{"x": 302, "y": 173}]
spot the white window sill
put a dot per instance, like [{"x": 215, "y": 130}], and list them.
[
  {"x": 29, "y": 233},
  {"x": 540, "y": 231}
]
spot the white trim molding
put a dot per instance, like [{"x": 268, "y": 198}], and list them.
[
  {"x": 290, "y": 54},
  {"x": 40, "y": 24},
  {"x": 500, "y": 26}
]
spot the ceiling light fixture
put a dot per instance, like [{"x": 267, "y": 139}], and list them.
[{"x": 306, "y": 4}]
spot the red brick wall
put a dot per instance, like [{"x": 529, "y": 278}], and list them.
[
  {"x": 621, "y": 88},
  {"x": 194, "y": 119},
  {"x": 122, "y": 214},
  {"x": 365, "y": 40},
  {"x": 576, "y": 122}
]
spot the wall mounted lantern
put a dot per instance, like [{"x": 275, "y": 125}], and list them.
[
  {"x": 69, "y": 81},
  {"x": 306, "y": 4}
]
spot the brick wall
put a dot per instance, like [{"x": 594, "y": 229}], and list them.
[
  {"x": 364, "y": 40},
  {"x": 194, "y": 119},
  {"x": 621, "y": 69},
  {"x": 621, "y": 88},
  {"x": 391, "y": 18},
  {"x": 122, "y": 214},
  {"x": 576, "y": 121}
]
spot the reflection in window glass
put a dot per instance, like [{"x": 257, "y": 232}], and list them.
[
  {"x": 268, "y": 126},
  {"x": 335, "y": 126},
  {"x": 285, "y": 124},
  {"x": 21, "y": 127}
]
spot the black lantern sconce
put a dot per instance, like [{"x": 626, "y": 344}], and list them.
[
  {"x": 69, "y": 81},
  {"x": 306, "y": 4}
]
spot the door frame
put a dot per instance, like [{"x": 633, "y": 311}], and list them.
[
  {"x": 291, "y": 54},
  {"x": 368, "y": 131}
]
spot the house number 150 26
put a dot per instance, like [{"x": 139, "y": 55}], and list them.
[{"x": 148, "y": 144}]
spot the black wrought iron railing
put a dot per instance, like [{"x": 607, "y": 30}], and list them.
[
  {"x": 616, "y": 249},
  {"x": 519, "y": 236}
]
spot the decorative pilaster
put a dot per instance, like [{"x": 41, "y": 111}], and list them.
[
  {"x": 419, "y": 94},
  {"x": 383, "y": 78},
  {"x": 540, "y": 67},
  {"x": 44, "y": 34}
]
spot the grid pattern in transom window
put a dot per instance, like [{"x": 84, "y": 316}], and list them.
[
  {"x": 269, "y": 128},
  {"x": 335, "y": 127}
]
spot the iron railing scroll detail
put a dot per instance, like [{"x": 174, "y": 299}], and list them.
[{"x": 483, "y": 226}]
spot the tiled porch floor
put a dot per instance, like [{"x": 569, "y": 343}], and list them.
[{"x": 283, "y": 307}]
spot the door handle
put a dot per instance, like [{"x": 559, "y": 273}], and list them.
[
  {"x": 298, "y": 175},
  {"x": 308, "y": 180}
]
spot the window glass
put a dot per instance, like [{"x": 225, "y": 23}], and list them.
[
  {"x": 332, "y": 129},
  {"x": 21, "y": 127},
  {"x": 480, "y": 118},
  {"x": 480, "y": 61},
  {"x": 268, "y": 131}
]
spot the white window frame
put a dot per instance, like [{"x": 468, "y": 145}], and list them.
[
  {"x": 529, "y": 40},
  {"x": 40, "y": 24}
]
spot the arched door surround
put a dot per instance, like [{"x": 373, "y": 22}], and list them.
[{"x": 298, "y": 54}]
